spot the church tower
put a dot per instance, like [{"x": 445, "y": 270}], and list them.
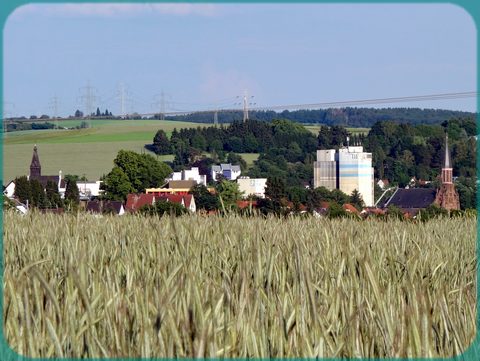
[
  {"x": 35, "y": 167},
  {"x": 447, "y": 196}
]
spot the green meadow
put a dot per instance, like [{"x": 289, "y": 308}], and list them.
[
  {"x": 88, "y": 152},
  {"x": 315, "y": 128}
]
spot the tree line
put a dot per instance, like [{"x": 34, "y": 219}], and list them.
[{"x": 347, "y": 117}]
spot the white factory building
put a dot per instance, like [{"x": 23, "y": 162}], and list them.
[{"x": 347, "y": 169}]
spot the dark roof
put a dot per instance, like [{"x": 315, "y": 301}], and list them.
[
  {"x": 94, "y": 207},
  {"x": 104, "y": 206},
  {"x": 43, "y": 179},
  {"x": 413, "y": 198}
]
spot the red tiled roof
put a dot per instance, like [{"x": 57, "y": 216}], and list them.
[
  {"x": 246, "y": 204},
  {"x": 177, "y": 198},
  {"x": 137, "y": 201},
  {"x": 350, "y": 208},
  {"x": 187, "y": 199}
]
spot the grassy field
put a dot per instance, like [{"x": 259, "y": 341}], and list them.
[
  {"x": 81, "y": 286},
  {"x": 83, "y": 151},
  {"x": 316, "y": 128}
]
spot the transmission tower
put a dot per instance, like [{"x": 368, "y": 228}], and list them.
[
  {"x": 161, "y": 104},
  {"x": 89, "y": 98},
  {"x": 123, "y": 96},
  {"x": 215, "y": 117},
  {"x": 54, "y": 106},
  {"x": 246, "y": 102}
]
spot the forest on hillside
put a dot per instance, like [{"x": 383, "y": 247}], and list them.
[
  {"x": 287, "y": 150},
  {"x": 347, "y": 117}
]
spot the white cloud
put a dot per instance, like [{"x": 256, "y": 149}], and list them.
[{"x": 116, "y": 9}]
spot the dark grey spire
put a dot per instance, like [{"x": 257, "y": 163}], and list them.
[{"x": 35, "y": 167}]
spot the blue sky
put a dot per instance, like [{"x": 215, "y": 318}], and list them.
[{"x": 204, "y": 55}]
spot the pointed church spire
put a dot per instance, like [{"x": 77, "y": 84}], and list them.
[
  {"x": 35, "y": 167},
  {"x": 447, "y": 154}
]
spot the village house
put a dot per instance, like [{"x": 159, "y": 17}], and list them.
[
  {"x": 252, "y": 186},
  {"x": 192, "y": 174},
  {"x": 228, "y": 171},
  {"x": 137, "y": 201},
  {"x": 111, "y": 207},
  {"x": 88, "y": 190}
]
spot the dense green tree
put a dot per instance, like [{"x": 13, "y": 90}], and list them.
[
  {"x": 356, "y": 200},
  {"x": 72, "y": 195},
  {"x": 335, "y": 210},
  {"x": 161, "y": 143},
  {"x": 432, "y": 211},
  {"x": 228, "y": 192},
  {"x": 199, "y": 142},
  {"x": 234, "y": 144},
  {"x": 117, "y": 185},
  {"x": 23, "y": 191},
  {"x": 467, "y": 191},
  {"x": 38, "y": 194},
  {"x": 275, "y": 188},
  {"x": 142, "y": 170},
  {"x": 53, "y": 198},
  {"x": 204, "y": 199}
]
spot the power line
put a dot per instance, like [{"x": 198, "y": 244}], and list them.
[
  {"x": 405, "y": 99},
  {"x": 89, "y": 97}
]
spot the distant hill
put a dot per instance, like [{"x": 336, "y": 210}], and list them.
[{"x": 348, "y": 117}]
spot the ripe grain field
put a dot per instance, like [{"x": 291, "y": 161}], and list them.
[{"x": 81, "y": 286}]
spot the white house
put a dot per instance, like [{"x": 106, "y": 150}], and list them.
[
  {"x": 252, "y": 186},
  {"x": 89, "y": 189},
  {"x": 230, "y": 172},
  {"x": 9, "y": 190},
  {"x": 189, "y": 174}
]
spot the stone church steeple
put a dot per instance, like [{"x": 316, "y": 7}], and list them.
[
  {"x": 35, "y": 167},
  {"x": 447, "y": 196}
]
